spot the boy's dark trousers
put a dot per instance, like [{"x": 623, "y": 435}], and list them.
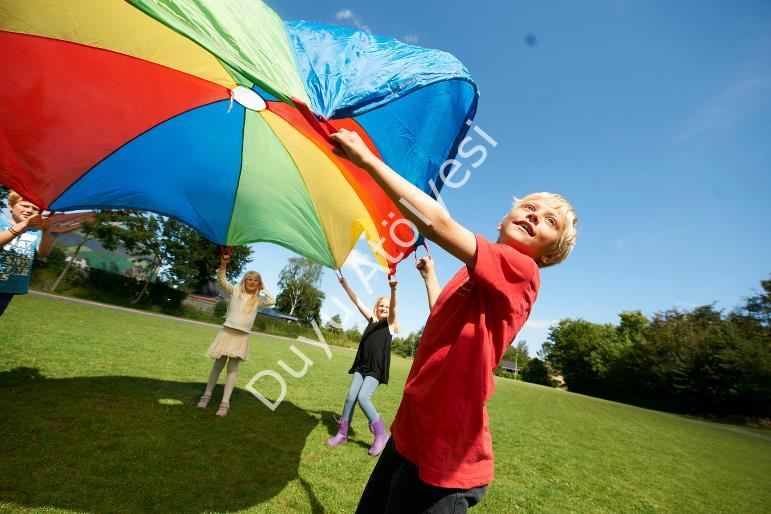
[{"x": 395, "y": 488}]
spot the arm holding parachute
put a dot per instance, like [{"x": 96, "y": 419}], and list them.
[
  {"x": 226, "y": 286},
  {"x": 355, "y": 299},
  {"x": 428, "y": 216},
  {"x": 426, "y": 268}
]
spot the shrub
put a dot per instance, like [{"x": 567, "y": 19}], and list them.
[
  {"x": 505, "y": 374},
  {"x": 221, "y": 309},
  {"x": 54, "y": 261},
  {"x": 536, "y": 372}
]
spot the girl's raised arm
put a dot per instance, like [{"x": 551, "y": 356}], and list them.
[
  {"x": 426, "y": 268},
  {"x": 267, "y": 299},
  {"x": 355, "y": 299},
  {"x": 392, "y": 304},
  {"x": 221, "y": 279}
]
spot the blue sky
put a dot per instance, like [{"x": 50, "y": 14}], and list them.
[{"x": 652, "y": 118}]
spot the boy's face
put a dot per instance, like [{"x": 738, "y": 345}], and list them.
[
  {"x": 532, "y": 227},
  {"x": 23, "y": 210}
]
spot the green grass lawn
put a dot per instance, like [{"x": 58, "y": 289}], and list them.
[{"x": 97, "y": 413}]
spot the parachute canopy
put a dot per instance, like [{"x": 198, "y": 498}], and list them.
[{"x": 217, "y": 113}]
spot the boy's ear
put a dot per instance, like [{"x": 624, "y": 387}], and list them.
[
  {"x": 548, "y": 259},
  {"x": 502, "y": 222}
]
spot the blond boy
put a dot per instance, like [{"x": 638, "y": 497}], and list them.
[{"x": 439, "y": 457}]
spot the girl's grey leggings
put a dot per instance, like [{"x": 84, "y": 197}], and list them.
[{"x": 361, "y": 390}]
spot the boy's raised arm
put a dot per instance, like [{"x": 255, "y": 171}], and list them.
[
  {"x": 428, "y": 216},
  {"x": 9, "y": 234},
  {"x": 46, "y": 241}
]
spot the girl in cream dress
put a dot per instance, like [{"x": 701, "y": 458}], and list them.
[{"x": 231, "y": 345}]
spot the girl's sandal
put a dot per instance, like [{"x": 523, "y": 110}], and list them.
[
  {"x": 204, "y": 401},
  {"x": 223, "y": 410}
]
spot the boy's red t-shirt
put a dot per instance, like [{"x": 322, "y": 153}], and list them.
[{"x": 441, "y": 425}]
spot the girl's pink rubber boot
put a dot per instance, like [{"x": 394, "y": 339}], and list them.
[
  {"x": 342, "y": 434},
  {"x": 381, "y": 437}
]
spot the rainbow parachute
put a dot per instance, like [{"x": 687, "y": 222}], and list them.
[{"x": 217, "y": 113}]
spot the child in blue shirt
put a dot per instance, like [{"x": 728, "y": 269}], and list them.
[{"x": 21, "y": 234}]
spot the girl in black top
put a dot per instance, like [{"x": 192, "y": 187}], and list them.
[{"x": 370, "y": 367}]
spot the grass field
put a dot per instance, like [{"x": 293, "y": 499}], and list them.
[{"x": 97, "y": 413}]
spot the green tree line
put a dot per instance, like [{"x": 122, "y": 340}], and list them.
[{"x": 699, "y": 361}]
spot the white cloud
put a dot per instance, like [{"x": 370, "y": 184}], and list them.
[
  {"x": 540, "y": 324},
  {"x": 727, "y": 109},
  {"x": 353, "y": 19},
  {"x": 345, "y": 14}
]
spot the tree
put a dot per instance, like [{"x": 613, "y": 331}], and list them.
[
  {"x": 753, "y": 351},
  {"x": 192, "y": 260},
  {"x": 353, "y": 334},
  {"x": 137, "y": 232},
  {"x": 757, "y": 308},
  {"x": 518, "y": 353},
  {"x": 300, "y": 295},
  {"x": 536, "y": 372},
  {"x": 141, "y": 235},
  {"x": 3, "y": 196},
  {"x": 142, "y": 239},
  {"x": 408, "y": 346},
  {"x": 580, "y": 350},
  {"x": 105, "y": 226},
  {"x": 699, "y": 361},
  {"x": 335, "y": 324}
]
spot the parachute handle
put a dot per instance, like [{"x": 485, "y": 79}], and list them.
[
  {"x": 424, "y": 245},
  {"x": 318, "y": 122}
]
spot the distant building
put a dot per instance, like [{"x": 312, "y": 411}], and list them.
[
  {"x": 273, "y": 313},
  {"x": 92, "y": 254},
  {"x": 509, "y": 366},
  {"x": 208, "y": 303},
  {"x": 79, "y": 262},
  {"x": 202, "y": 303}
]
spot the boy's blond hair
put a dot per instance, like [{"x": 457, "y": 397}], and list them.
[
  {"x": 13, "y": 198},
  {"x": 564, "y": 245}
]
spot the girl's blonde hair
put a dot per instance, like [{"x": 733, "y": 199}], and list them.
[
  {"x": 253, "y": 302},
  {"x": 397, "y": 325},
  {"x": 564, "y": 245}
]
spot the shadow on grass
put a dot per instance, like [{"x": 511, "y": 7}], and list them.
[{"x": 134, "y": 444}]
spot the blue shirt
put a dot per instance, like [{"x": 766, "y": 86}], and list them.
[{"x": 16, "y": 260}]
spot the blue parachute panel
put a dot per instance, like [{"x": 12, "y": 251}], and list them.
[
  {"x": 416, "y": 134},
  {"x": 348, "y": 72},
  {"x": 186, "y": 168}
]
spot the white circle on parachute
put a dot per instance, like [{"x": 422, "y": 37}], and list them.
[{"x": 248, "y": 98}]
